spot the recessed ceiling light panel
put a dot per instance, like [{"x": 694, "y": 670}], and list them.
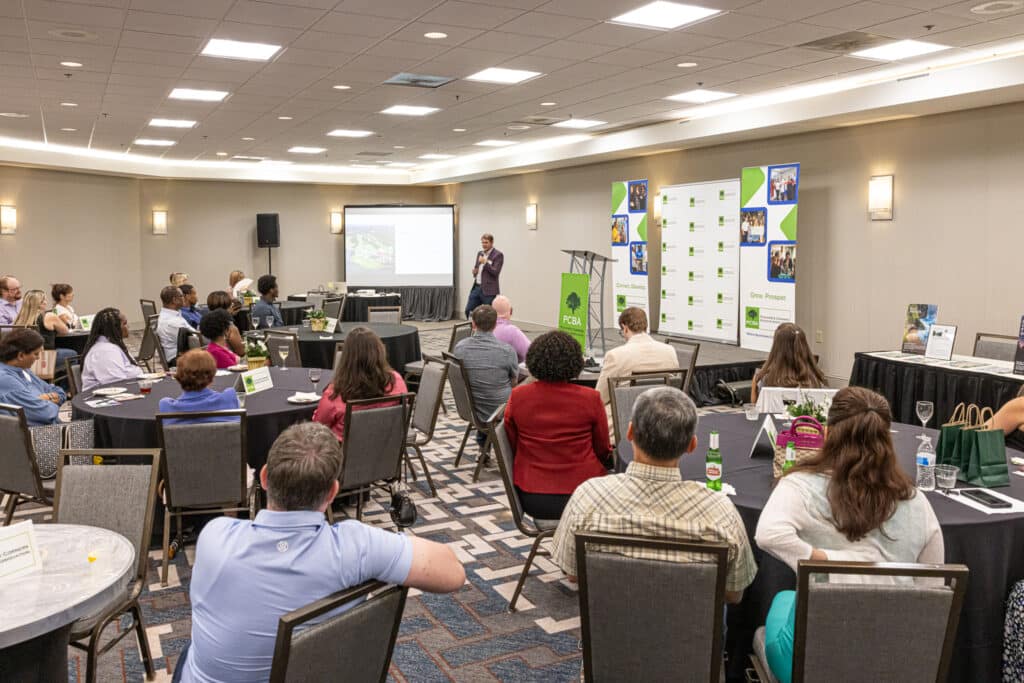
[
  {"x": 345, "y": 133},
  {"x": 686, "y": 65},
  {"x": 69, "y": 104},
  {"x": 496, "y": 143},
  {"x": 700, "y": 96},
  {"x": 435, "y": 35},
  {"x": 342, "y": 87},
  {"x": 151, "y": 142},
  {"x": 408, "y": 110},
  {"x": 238, "y": 49},
  {"x": 664, "y": 15},
  {"x": 198, "y": 95},
  {"x": 901, "y": 49},
  {"x": 307, "y": 150},
  {"x": 171, "y": 123},
  {"x": 579, "y": 123},
  {"x": 69, "y": 130},
  {"x": 436, "y": 157},
  {"x": 503, "y": 76},
  {"x": 72, "y": 65},
  {"x": 284, "y": 118},
  {"x": 458, "y": 130},
  {"x": 13, "y": 115}
]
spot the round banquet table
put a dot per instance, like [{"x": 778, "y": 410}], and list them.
[
  {"x": 402, "y": 343},
  {"x": 74, "y": 340},
  {"x": 992, "y": 546},
  {"x": 40, "y": 607},
  {"x": 292, "y": 312},
  {"x": 132, "y": 424},
  {"x": 357, "y": 306}
]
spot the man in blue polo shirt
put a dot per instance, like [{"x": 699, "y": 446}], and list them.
[{"x": 247, "y": 574}]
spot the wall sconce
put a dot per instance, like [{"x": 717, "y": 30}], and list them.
[
  {"x": 880, "y": 198},
  {"x": 531, "y": 216},
  {"x": 159, "y": 222},
  {"x": 8, "y": 220},
  {"x": 336, "y": 224}
]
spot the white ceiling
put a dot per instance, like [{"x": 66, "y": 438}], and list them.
[{"x": 138, "y": 50}]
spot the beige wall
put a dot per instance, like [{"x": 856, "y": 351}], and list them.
[{"x": 955, "y": 240}]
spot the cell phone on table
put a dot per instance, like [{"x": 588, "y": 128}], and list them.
[{"x": 985, "y": 498}]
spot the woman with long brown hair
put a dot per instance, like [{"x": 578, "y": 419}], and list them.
[
  {"x": 851, "y": 502},
  {"x": 362, "y": 372},
  {"x": 790, "y": 363}
]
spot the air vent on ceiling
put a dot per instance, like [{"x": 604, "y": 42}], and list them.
[
  {"x": 845, "y": 43},
  {"x": 418, "y": 80},
  {"x": 539, "y": 120},
  {"x": 373, "y": 154},
  {"x": 75, "y": 34}
]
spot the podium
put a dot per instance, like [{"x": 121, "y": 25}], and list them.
[{"x": 594, "y": 265}]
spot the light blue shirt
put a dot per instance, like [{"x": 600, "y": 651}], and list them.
[
  {"x": 248, "y": 574},
  {"x": 8, "y": 311},
  {"x": 23, "y": 388},
  {"x": 201, "y": 401},
  {"x": 261, "y": 310}
]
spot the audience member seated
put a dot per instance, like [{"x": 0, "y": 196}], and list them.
[
  {"x": 196, "y": 370},
  {"x": 63, "y": 295},
  {"x": 557, "y": 429},
  {"x": 238, "y": 283},
  {"x": 189, "y": 312},
  {"x": 265, "y": 308},
  {"x": 171, "y": 321},
  {"x": 222, "y": 300},
  {"x": 363, "y": 372},
  {"x": 790, "y": 363},
  {"x": 106, "y": 359},
  {"x": 19, "y": 386},
  {"x": 852, "y": 502},
  {"x": 247, "y": 574},
  {"x": 640, "y": 353},
  {"x": 505, "y": 331},
  {"x": 1010, "y": 418},
  {"x": 491, "y": 366},
  {"x": 215, "y": 326},
  {"x": 178, "y": 279},
  {"x": 10, "y": 299},
  {"x": 34, "y": 313},
  {"x": 651, "y": 498}
]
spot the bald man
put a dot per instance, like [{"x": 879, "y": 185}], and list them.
[
  {"x": 505, "y": 331},
  {"x": 10, "y": 299}
]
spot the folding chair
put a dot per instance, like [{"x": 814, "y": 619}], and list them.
[{"x": 384, "y": 314}]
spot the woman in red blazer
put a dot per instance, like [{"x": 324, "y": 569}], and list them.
[{"x": 558, "y": 430}]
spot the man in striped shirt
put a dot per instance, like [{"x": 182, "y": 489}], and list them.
[{"x": 651, "y": 499}]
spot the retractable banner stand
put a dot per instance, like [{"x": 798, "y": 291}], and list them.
[
  {"x": 629, "y": 243},
  {"x": 768, "y": 263},
  {"x": 700, "y": 260},
  {"x": 574, "y": 306}
]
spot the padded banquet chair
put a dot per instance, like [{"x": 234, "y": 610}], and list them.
[
  {"x": 384, "y": 314},
  {"x": 995, "y": 346},
  {"x": 355, "y": 645},
  {"x": 278, "y": 339},
  {"x": 149, "y": 308},
  {"x": 157, "y": 347},
  {"x": 374, "y": 445},
  {"x": 630, "y": 630},
  {"x": 460, "y": 331},
  {"x": 465, "y": 405},
  {"x": 863, "y": 646},
  {"x": 125, "y": 481},
  {"x": 334, "y": 306},
  {"x": 624, "y": 392},
  {"x": 538, "y": 530},
  {"x": 19, "y": 470},
  {"x": 339, "y": 347},
  {"x": 686, "y": 352},
  {"x": 424, "y": 414},
  {"x": 73, "y": 371},
  {"x": 204, "y": 468},
  {"x": 315, "y": 299}
]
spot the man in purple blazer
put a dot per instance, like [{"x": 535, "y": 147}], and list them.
[{"x": 485, "y": 274}]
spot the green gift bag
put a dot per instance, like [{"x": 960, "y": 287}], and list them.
[
  {"x": 946, "y": 452},
  {"x": 985, "y": 455}
]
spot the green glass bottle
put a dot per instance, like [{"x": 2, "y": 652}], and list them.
[{"x": 713, "y": 464}]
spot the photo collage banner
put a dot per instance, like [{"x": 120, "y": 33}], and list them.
[
  {"x": 629, "y": 244},
  {"x": 768, "y": 251},
  {"x": 700, "y": 260}
]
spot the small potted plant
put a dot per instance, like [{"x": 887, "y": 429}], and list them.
[
  {"x": 317, "y": 319},
  {"x": 256, "y": 354},
  {"x": 249, "y": 297},
  {"x": 810, "y": 408}
]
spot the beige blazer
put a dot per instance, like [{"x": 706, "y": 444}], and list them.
[{"x": 641, "y": 353}]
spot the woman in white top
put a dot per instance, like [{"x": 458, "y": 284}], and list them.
[
  {"x": 105, "y": 358},
  {"x": 852, "y": 502},
  {"x": 238, "y": 283},
  {"x": 63, "y": 295}
]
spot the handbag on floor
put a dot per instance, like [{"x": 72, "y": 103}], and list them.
[
  {"x": 46, "y": 366},
  {"x": 807, "y": 435}
]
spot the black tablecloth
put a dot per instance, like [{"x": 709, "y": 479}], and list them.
[
  {"x": 992, "y": 546},
  {"x": 402, "y": 343},
  {"x": 73, "y": 340},
  {"x": 132, "y": 425},
  {"x": 427, "y": 303},
  {"x": 904, "y": 384},
  {"x": 702, "y": 387},
  {"x": 357, "y": 308},
  {"x": 292, "y": 312}
]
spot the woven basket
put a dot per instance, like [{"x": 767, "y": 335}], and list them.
[
  {"x": 256, "y": 362},
  {"x": 318, "y": 324},
  {"x": 807, "y": 436}
]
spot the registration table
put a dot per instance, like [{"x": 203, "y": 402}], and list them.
[
  {"x": 402, "y": 343},
  {"x": 992, "y": 546},
  {"x": 132, "y": 424},
  {"x": 906, "y": 379},
  {"x": 39, "y": 608}
]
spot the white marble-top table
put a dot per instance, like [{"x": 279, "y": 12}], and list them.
[{"x": 69, "y": 586}]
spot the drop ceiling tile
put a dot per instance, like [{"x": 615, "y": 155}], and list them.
[
  {"x": 744, "y": 49},
  {"x": 732, "y": 25},
  {"x": 794, "y": 33},
  {"x": 141, "y": 69},
  {"x": 974, "y": 34},
  {"x": 235, "y": 78},
  {"x": 172, "y": 24},
  {"x": 679, "y": 42},
  {"x": 963, "y": 9},
  {"x": 737, "y": 71},
  {"x": 410, "y": 52},
  {"x": 11, "y": 8},
  {"x": 316, "y": 4},
  {"x": 136, "y": 56},
  {"x": 207, "y": 9},
  {"x": 837, "y": 65},
  {"x": 629, "y": 57},
  {"x": 601, "y": 10},
  {"x": 357, "y": 24},
  {"x": 544, "y": 65},
  {"x": 394, "y": 9},
  {"x": 250, "y": 12},
  {"x": 16, "y": 71},
  {"x": 615, "y": 35},
  {"x": 512, "y": 43},
  {"x": 155, "y": 41},
  {"x": 414, "y": 33},
  {"x": 793, "y": 56},
  {"x": 860, "y": 15},
  {"x": 15, "y": 59},
  {"x": 515, "y": 4},
  {"x": 258, "y": 33},
  {"x": 570, "y": 49},
  {"x": 60, "y": 51},
  {"x": 295, "y": 55},
  {"x": 646, "y": 76},
  {"x": 472, "y": 15},
  {"x": 333, "y": 42},
  {"x": 461, "y": 62},
  {"x": 1012, "y": 21},
  {"x": 913, "y": 27},
  {"x": 795, "y": 10},
  {"x": 669, "y": 67},
  {"x": 548, "y": 25},
  {"x": 73, "y": 15},
  {"x": 41, "y": 30},
  {"x": 80, "y": 77}
]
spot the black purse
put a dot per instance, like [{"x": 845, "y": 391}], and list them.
[{"x": 403, "y": 510}]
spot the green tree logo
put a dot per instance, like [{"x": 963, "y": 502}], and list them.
[{"x": 572, "y": 301}]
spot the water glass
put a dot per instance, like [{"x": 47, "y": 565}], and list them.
[
  {"x": 282, "y": 352},
  {"x": 945, "y": 477},
  {"x": 925, "y": 410},
  {"x": 314, "y": 377},
  {"x": 305, "y": 324},
  {"x": 751, "y": 411},
  {"x": 145, "y": 386},
  {"x": 268, "y": 321}
]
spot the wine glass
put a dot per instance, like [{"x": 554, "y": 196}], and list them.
[
  {"x": 282, "y": 351},
  {"x": 925, "y": 410},
  {"x": 268, "y": 321},
  {"x": 314, "y": 377}
]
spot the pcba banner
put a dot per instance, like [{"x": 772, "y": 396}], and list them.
[{"x": 629, "y": 244}]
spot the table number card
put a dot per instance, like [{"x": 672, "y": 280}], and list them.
[
  {"x": 19, "y": 553},
  {"x": 85, "y": 321},
  {"x": 1018, "y": 358},
  {"x": 332, "y": 326},
  {"x": 255, "y": 381},
  {"x": 940, "y": 342},
  {"x": 768, "y": 429}
]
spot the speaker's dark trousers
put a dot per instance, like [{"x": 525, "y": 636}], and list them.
[{"x": 477, "y": 297}]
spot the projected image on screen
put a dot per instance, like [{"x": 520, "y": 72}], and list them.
[{"x": 407, "y": 246}]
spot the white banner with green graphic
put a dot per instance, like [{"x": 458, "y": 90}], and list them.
[
  {"x": 700, "y": 259},
  {"x": 768, "y": 246},
  {"x": 574, "y": 306},
  {"x": 629, "y": 244}
]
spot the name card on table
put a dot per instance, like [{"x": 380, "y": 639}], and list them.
[
  {"x": 940, "y": 342},
  {"x": 763, "y": 445},
  {"x": 332, "y": 325},
  {"x": 1018, "y": 358},
  {"x": 255, "y": 381},
  {"x": 19, "y": 553},
  {"x": 85, "y": 321}
]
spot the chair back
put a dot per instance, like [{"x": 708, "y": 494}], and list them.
[
  {"x": 158, "y": 348},
  {"x": 188, "y": 340},
  {"x": 357, "y": 641},
  {"x": 204, "y": 462},
  {"x": 430, "y": 395},
  {"x": 460, "y": 331},
  {"x": 315, "y": 300},
  {"x": 686, "y": 352},
  {"x": 147, "y": 347},
  {"x": 631, "y": 630},
  {"x": 458, "y": 379},
  {"x": 339, "y": 347},
  {"x": 624, "y": 391},
  {"x": 334, "y": 306},
  {"x": 19, "y": 471},
  {"x": 855, "y": 647},
  {"x": 374, "y": 443},
  {"x": 278, "y": 339},
  {"x": 995, "y": 346},
  {"x": 673, "y": 377},
  {"x": 124, "y": 480},
  {"x": 148, "y": 308},
  {"x": 73, "y": 371},
  {"x": 505, "y": 456},
  {"x": 384, "y": 314}
]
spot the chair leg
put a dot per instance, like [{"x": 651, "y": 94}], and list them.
[
  {"x": 167, "y": 546},
  {"x": 426, "y": 471},
  {"x": 462, "y": 446},
  {"x": 526, "y": 568},
  {"x": 140, "y": 633},
  {"x": 359, "y": 506},
  {"x": 12, "y": 502},
  {"x": 409, "y": 469},
  {"x": 92, "y": 654},
  {"x": 482, "y": 458}
]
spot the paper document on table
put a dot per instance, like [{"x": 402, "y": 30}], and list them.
[
  {"x": 1016, "y": 506},
  {"x": 257, "y": 380},
  {"x": 19, "y": 553}
]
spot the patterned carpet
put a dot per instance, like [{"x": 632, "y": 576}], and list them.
[{"x": 465, "y": 636}]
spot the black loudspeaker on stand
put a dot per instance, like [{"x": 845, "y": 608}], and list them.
[{"x": 268, "y": 235}]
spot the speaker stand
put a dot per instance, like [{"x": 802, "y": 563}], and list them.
[{"x": 270, "y": 262}]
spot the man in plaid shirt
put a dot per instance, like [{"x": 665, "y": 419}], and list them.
[{"x": 651, "y": 499}]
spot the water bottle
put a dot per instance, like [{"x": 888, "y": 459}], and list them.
[
  {"x": 713, "y": 464},
  {"x": 926, "y": 465}
]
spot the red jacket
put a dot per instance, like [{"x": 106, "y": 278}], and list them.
[
  {"x": 559, "y": 434},
  {"x": 331, "y": 409}
]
